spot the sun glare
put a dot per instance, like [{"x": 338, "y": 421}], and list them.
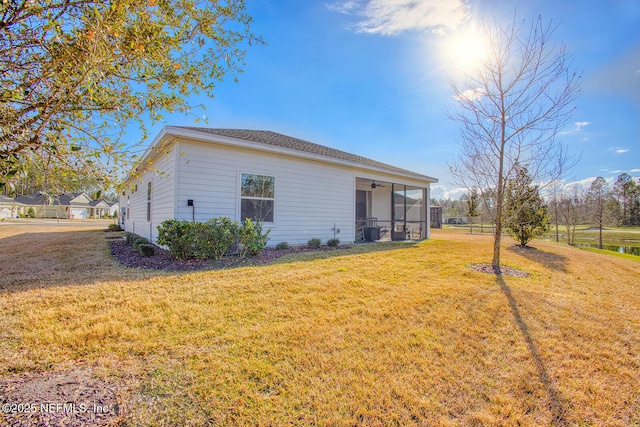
[{"x": 464, "y": 50}]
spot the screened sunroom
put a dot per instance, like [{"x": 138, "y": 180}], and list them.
[{"x": 390, "y": 211}]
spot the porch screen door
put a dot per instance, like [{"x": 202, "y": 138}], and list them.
[{"x": 399, "y": 208}]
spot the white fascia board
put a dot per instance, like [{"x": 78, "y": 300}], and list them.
[
  {"x": 162, "y": 140},
  {"x": 235, "y": 142},
  {"x": 81, "y": 196}
]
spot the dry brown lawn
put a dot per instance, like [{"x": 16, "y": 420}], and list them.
[{"x": 407, "y": 335}]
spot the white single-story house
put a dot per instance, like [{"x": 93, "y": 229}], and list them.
[
  {"x": 298, "y": 189},
  {"x": 9, "y": 208},
  {"x": 64, "y": 206},
  {"x": 114, "y": 208}
]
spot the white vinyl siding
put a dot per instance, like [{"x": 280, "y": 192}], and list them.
[
  {"x": 310, "y": 196},
  {"x": 161, "y": 176}
]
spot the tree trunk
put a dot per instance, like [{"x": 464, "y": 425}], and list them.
[
  {"x": 555, "y": 216},
  {"x": 600, "y": 221},
  {"x": 600, "y": 243},
  {"x": 497, "y": 237}
]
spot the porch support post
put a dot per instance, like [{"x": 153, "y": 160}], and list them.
[
  {"x": 427, "y": 213},
  {"x": 393, "y": 210}
]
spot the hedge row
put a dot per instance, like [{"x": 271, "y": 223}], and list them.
[{"x": 212, "y": 239}]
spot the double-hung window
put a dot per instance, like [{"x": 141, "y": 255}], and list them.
[
  {"x": 257, "y": 197},
  {"x": 149, "y": 201}
]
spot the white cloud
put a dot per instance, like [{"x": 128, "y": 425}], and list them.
[
  {"x": 471, "y": 94},
  {"x": 578, "y": 128},
  {"x": 585, "y": 183},
  {"x": 441, "y": 192},
  {"x": 622, "y": 151},
  {"x": 634, "y": 170},
  {"x": 346, "y": 7},
  {"x": 390, "y": 17}
]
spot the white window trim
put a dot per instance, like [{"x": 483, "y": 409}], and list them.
[
  {"x": 149, "y": 202},
  {"x": 240, "y": 196}
]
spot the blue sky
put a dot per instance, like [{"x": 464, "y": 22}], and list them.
[{"x": 369, "y": 77}]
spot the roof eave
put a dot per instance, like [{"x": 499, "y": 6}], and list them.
[{"x": 237, "y": 142}]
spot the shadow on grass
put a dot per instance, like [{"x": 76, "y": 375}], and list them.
[
  {"x": 557, "y": 406},
  {"x": 548, "y": 259},
  {"x": 353, "y": 249},
  {"x": 46, "y": 259}
]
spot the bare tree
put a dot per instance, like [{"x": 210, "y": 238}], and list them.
[
  {"x": 511, "y": 110},
  {"x": 571, "y": 210},
  {"x": 554, "y": 196},
  {"x": 473, "y": 203},
  {"x": 601, "y": 205}
]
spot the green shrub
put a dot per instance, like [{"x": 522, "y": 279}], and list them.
[
  {"x": 282, "y": 246},
  {"x": 215, "y": 238},
  {"x": 115, "y": 227},
  {"x": 135, "y": 240},
  {"x": 140, "y": 241},
  {"x": 146, "y": 249},
  {"x": 31, "y": 213},
  {"x": 314, "y": 243},
  {"x": 178, "y": 236},
  {"x": 251, "y": 239},
  {"x": 333, "y": 242},
  {"x": 212, "y": 239}
]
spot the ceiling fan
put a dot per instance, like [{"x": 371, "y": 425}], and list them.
[{"x": 374, "y": 185}]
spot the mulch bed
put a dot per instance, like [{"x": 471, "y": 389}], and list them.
[
  {"x": 128, "y": 256},
  {"x": 505, "y": 271}
]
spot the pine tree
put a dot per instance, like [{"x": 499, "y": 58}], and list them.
[{"x": 526, "y": 215}]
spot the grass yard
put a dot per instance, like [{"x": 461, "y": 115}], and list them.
[{"x": 403, "y": 335}]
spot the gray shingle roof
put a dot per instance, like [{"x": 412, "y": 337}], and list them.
[
  {"x": 284, "y": 141},
  {"x": 41, "y": 199},
  {"x": 37, "y": 199}
]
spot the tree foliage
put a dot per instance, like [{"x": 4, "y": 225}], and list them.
[
  {"x": 627, "y": 192},
  {"x": 527, "y": 214},
  {"x": 74, "y": 73},
  {"x": 511, "y": 110}
]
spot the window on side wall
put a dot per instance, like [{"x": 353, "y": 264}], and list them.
[
  {"x": 257, "y": 197},
  {"x": 149, "y": 202}
]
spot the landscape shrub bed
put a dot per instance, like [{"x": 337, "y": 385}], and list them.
[{"x": 212, "y": 239}]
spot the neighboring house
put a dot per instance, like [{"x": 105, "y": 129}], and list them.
[
  {"x": 9, "y": 208},
  {"x": 298, "y": 189},
  {"x": 114, "y": 208},
  {"x": 99, "y": 208},
  {"x": 63, "y": 206}
]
